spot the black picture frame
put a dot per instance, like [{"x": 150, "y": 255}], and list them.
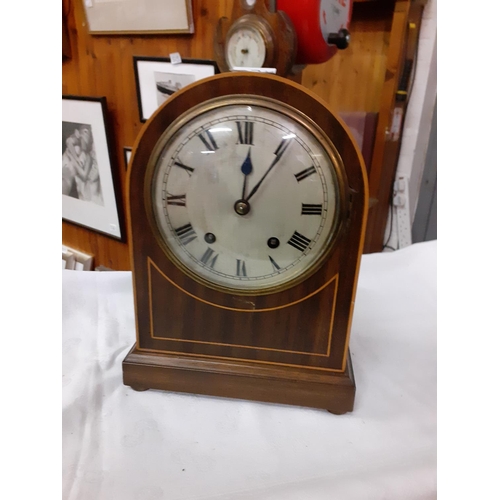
[
  {"x": 91, "y": 194},
  {"x": 151, "y": 92}
]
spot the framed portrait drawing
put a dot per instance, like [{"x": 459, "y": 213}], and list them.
[
  {"x": 156, "y": 79},
  {"x": 147, "y": 17},
  {"x": 90, "y": 192}
]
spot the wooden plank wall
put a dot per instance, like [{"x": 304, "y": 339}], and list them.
[
  {"x": 102, "y": 66},
  {"x": 353, "y": 79}
]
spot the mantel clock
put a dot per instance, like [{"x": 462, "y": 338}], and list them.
[{"x": 247, "y": 202}]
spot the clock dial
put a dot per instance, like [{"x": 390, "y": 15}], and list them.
[
  {"x": 245, "y": 196},
  {"x": 246, "y": 47}
]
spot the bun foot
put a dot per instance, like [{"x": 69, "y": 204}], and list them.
[
  {"x": 139, "y": 388},
  {"x": 337, "y": 412}
]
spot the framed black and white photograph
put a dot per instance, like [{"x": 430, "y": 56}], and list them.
[
  {"x": 127, "y": 154},
  {"x": 156, "y": 79},
  {"x": 90, "y": 192}
]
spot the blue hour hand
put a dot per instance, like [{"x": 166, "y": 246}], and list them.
[{"x": 246, "y": 169}]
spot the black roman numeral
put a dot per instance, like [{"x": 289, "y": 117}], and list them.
[
  {"x": 185, "y": 233},
  {"x": 174, "y": 199},
  {"x": 282, "y": 147},
  {"x": 241, "y": 268},
  {"x": 245, "y": 132},
  {"x": 309, "y": 209},
  {"x": 299, "y": 241},
  {"x": 207, "y": 256},
  {"x": 305, "y": 173},
  {"x": 208, "y": 139},
  {"x": 189, "y": 170}
]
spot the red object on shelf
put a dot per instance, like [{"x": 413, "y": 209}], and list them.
[{"x": 314, "y": 20}]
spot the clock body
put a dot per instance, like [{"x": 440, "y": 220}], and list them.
[{"x": 247, "y": 202}]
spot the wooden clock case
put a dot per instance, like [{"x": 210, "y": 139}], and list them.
[
  {"x": 276, "y": 29},
  {"x": 287, "y": 347}
]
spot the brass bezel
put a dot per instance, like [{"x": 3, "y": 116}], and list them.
[
  {"x": 341, "y": 210},
  {"x": 252, "y": 21}
]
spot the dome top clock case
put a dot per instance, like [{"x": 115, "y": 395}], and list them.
[{"x": 247, "y": 202}]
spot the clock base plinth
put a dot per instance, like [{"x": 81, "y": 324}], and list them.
[
  {"x": 225, "y": 378},
  {"x": 139, "y": 388}
]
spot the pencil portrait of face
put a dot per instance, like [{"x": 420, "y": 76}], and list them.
[{"x": 80, "y": 169}]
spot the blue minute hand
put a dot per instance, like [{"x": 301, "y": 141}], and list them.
[{"x": 246, "y": 168}]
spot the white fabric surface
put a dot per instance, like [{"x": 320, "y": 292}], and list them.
[{"x": 119, "y": 444}]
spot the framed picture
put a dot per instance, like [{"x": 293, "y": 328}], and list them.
[
  {"x": 90, "y": 192},
  {"x": 120, "y": 17},
  {"x": 127, "y": 154},
  {"x": 156, "y": 79}
]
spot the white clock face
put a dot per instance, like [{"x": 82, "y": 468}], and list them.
[
  {"x": 245, "y": 197},
  {"x": 246, "y": 48}
]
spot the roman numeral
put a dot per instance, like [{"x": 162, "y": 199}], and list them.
[
  {"x": 189, "y": 170},
  {"x": 299, "y": 241},
  {"x": 241, "y": 268},
  {"x": 185, "y": 233},
  {"x": 245, "y": 133},
  {"x": 282, "y": 147},
  {"x": 275, "y": 266},
  {"x": 207, "y": 256},
  {"x": 305, "y": 173},
  {"x": 308, "y": 209},
  {"x": 208, "y": 139},
  {"x": 179, "y": 200}
]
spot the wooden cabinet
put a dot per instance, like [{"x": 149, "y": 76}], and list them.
[{"x": 364, "y": 77}]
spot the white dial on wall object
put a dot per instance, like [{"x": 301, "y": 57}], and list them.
[
  {"x": 246, "y": 47},
  {"x": 249, "y": 43}
]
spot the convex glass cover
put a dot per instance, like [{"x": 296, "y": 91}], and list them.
[{"x": 245, "y": 194}]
